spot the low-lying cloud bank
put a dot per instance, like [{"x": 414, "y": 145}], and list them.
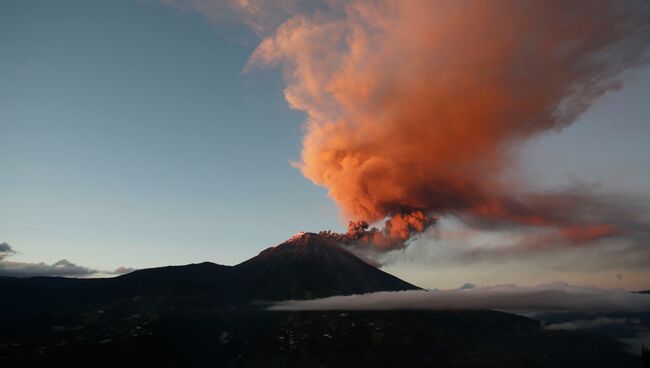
[
  {"x": 62, "y": 268},
  {"x": 552, "y": 296},
  {"x": 592, "y": 324}
]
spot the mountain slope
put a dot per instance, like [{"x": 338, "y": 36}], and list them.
[
  {"x": 309, "y": 266},
  {"x": 203, "y": 275}
]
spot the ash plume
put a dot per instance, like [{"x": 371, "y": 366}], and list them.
[
  {"x": 415, "y": 107},
  {"x": 393, "y": 235}
]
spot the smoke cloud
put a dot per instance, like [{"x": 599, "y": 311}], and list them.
[
  {"x": 415, "y": 107},
  {"x": 395, "y": 232},
  {"x": 552, "y": 297}
]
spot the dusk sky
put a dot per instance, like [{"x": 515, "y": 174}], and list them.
[{"x": 141, "y": 133}]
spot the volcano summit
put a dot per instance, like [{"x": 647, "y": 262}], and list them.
[{"x": 309, "y": 265}]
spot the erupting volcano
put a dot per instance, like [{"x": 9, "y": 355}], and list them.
[{"x": 415, "y": 108}]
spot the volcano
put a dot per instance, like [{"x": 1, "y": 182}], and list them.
[
  {"x": 305, "y": 266},
  {"x": 308, "y": 266}
]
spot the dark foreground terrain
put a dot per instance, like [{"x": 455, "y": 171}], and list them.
[
  {"x": 207, "y": 315},
  {"x": 168, "y": 337}
]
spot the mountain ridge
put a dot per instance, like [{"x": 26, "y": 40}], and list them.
[{"x": 305, "y": 266}]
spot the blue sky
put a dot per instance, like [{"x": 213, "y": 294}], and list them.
[{"x": 131, "y": 137}]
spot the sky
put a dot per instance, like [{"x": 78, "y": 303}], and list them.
[
  {"x": 131, "y": 137},
  {"x": 141, "y": 133}
]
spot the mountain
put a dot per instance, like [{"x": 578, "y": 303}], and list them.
[
  {"x": 196, "y": 277},
  {"x": 305, "y": 266},
  {"x": 310, "y": 266}
]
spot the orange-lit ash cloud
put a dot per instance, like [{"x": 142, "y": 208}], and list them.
[{"x": 414, "y": 107}]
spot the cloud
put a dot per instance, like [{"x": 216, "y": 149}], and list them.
[
  {"x": 468, "y": 243},
  {"x": 467, "y": 286},
  {"x": 454, "y": 251},
  {"x": 553, "y": 296},
  {"x": 590, "y": 324},
  {"x": 415, "y": 111},
  {"x": 416, "y": 107},
  {"x": 62, "y": 268},
  {"x": 123, "y": 270},
  {"x": 5, "y": 250}
]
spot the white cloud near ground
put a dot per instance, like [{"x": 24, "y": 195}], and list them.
[
  {"x": 589, "y": 324},
  {"x": 555, "y": 296}
]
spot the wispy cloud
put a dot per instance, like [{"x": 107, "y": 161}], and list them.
[
  {"x": 5, "y": 250},
  {"x": 454, "y": 252},
  {"x": 62, "y": 268}
]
